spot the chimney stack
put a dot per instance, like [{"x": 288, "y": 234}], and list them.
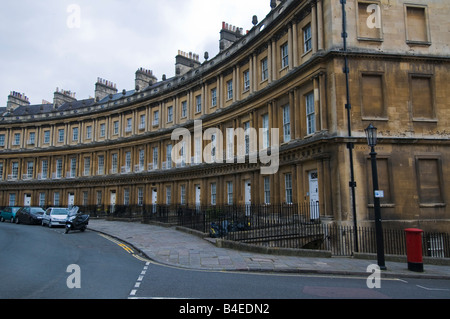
[
  {"x": 144, "y": 78},
  {"x": 228, "y": 35},
  {"x": 184, "y": 62},
  {"x": 16, "y": 99},
  {"x": 62, "y": 96},
  {"x": 103, "y": 88}
]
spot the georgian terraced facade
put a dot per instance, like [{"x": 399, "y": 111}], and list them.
[{"x": 286, "y": 73}]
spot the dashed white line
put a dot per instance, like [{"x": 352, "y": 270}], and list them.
[{"x": 139, "y": 280}]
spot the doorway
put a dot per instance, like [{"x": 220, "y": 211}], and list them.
[
  {"x": 247, "y": 196},
  {"x": 313, "y": 195}
]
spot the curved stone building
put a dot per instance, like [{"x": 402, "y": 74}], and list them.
[{"x": 264, "y": 122}]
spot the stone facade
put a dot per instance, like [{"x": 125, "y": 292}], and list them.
[{"x": 286, "y": 73}]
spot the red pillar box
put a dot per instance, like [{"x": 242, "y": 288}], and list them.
[{"x": 414, "y": 249}]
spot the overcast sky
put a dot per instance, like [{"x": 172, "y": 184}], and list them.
[{"x": 69, "y": 43}]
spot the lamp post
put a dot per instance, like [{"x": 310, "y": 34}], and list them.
[{"x": 371, "y": 134}]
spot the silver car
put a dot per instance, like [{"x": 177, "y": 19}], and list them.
[{"x": 55, "y": 216}]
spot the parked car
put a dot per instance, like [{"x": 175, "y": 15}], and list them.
[
  {"x": 8, "y": 213},
  {"x": 29, "y": 215},
  {"x": 55, "y": 216}
]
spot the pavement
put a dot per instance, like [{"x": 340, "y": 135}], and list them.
[{"x": 172, "y": 247}]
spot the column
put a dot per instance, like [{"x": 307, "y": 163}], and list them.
[
  {"x": 314, "y": 27},
  {"x": 320, "y": 45}
]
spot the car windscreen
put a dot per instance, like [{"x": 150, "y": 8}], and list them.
[
  {"x": 37, "y": 211},
  {"x": 59, "y": 211}
]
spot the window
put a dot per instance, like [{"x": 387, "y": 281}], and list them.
[
  {"x": 155, "y": 158},
  {"x": 141, "y": 159},
  {"x": 264, "y": 70},
  {"x": 126, "y": 196},
  {"x": 56, "y": 198},
  {"x": 32, "y": 139},
  {"x": 265, "y": 126},
  {"x": 246, "y": 80},
  {"x": 183, "y": 109},
  {"x": 102, "y": 130},
  {"x": 114, "y": 163},
  {"x": 168, "y": 195},
  {"x": 87, "y": 166},
  {"x": 307, "y": 41},
  {"x": 214, "y": 97},
  {"x": 286, "y": 123},
  {"x": 61, "y": 136},
  {"x": 1, "y": 171},
  {"x": 169, "y": 156},
  {"x": 44, "y": 172},
  {"x": 46, "y": 137},
  {"x": 99, "y": 198},
  {"x": 429, "y": 175},
  {"x": 101, "y": 165},
  {"x": 284, "y": 56},
  {"x": 372, "y": 98},
  {"x": 127, "y": 162},
  {"x": 169, "y": 114},
  {"x": 230, "y": 193},
  {"x": 417, "y": 25},
  {"x": 42, "y": 199},
  {"x": 129, "y": 127},
  {"x": 12, "y": 199},
  {"x": 422, "y": 97},
  {"x": 16, "y": 139},
  {"x": 230, "y": 90},
  {"x": 75, "y": 134},
  {"x": 15, "y": 170},
  {"x": 183, "y": 194},
  {"x": 89, "y": 132},
  {"x": 2, "y": 139},
  {"x": 213, "y": 193},
  {"x": 73, "y": 167},
  {"x": 30, "y": 170},
  {"x": 140, "y": 198},
  {"x": 85, "y": 198},
  {"x": 155, "y": 118},
  {"x": 247, "y": 137},
  {"x": 198, "y": 103},
  {"x": 266, "y": 190},
  {"x": 142, "y": 122},
  {"x": 288, "y": 188},
  {"x": 310, "y": 114},
  {"x": 116, "y": 128},
  {"x": 59, "y": 168},
  {"x": 213, "y": 147}
]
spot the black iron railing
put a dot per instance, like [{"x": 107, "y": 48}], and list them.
[{"x": 284, "y": 225}]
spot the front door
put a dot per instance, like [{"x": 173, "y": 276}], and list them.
[
  {"x": 247, "y": 196},
  {"x": 197, "y": 197},
  {"x": 313, "y": 195},
  {"x": 71, "y": 199},
  {"x": 112, "y": 201},
  {"x": 27, "y": 200},
  {"x": 154, "y": 199}
]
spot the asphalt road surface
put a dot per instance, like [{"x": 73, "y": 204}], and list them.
[{"x": 44, "y": 263}]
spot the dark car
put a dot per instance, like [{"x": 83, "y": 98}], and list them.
[{"x": 29, "y": 215}]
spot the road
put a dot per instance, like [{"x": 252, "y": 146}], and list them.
[{"x": 34, "y": 264}]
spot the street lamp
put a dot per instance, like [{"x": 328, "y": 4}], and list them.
[{"x": 371, "y": 134}]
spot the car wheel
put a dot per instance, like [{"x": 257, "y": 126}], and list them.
[
  {"x": 17, "y": 221},
  {"x": 2, "y": 219}
]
